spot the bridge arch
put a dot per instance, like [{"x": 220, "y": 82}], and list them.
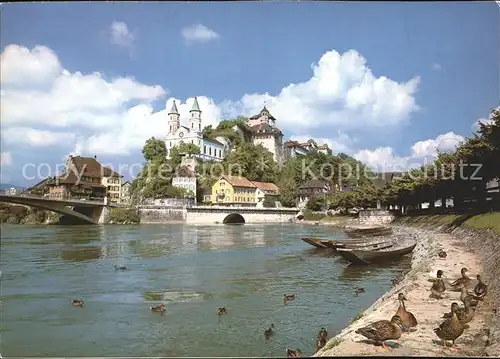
[{"x": 234, "y": 218}]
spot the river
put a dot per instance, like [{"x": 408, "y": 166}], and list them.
[{"x": 193, "y": 270}]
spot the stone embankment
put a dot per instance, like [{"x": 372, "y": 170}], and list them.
[{"x": 479, "y": 252}]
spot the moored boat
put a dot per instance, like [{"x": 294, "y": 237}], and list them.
[
  {"x": 366, "y": 244},
  {"x": 369, "y": 232},
  {"x": 367, "y": 256},
  {"x": 314, "y": 241}
]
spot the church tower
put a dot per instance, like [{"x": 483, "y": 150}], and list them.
[
  {"x": 195, "y": 117},
  {"x": 173, "y": 119}
]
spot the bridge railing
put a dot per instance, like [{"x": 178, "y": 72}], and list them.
[{"x": 63, "y": 199}]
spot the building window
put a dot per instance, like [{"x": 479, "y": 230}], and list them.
[
  {"x": 204, "y": 149},
  {"x": 210, "y": 151}
]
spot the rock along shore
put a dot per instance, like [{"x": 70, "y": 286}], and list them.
[{"x": 429, "y": 312}]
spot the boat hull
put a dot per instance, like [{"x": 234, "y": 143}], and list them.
[{"x": 361, "y": 256}]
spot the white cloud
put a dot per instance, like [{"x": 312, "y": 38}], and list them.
[
  {"x": 21, "y": 66},
  {"x": 115, "y": 116},
  {"x": 436, "y": 67},
  {"x": 475, "y": 126},
  {"x": 199, "y": 33},
  {"x": 383, "y": 159},
  {"x": 343, "y": 92},
  {"x": 5, "y": 158},
  {"x": 120, "y": 34},
  {"x": 36, "y": 138},
  {"x": 71, "y": 99}
]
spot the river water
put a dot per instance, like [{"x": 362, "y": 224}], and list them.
[{"x": 193, "y": 270}]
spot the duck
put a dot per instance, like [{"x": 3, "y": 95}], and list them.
[
  {"x": 159, "y": 308},
  {"x": 450, "y": 329},
  {"x": 320, "y": 342},
  {"x": 464, "y": 314},
  {"x": 287, "y": 298},
  {"x": 77, "y": 303},
  {"x": 442, "y": 254},
  {"x": 480, "y": 289},
  {"x": 383, "y": 330},
  {"x": 269, "y": 332},
  {"x": 293, "y": 353},
  {"x": 407, "y": 317},
  {"x": 323, "y": 333},
  {"x": 464, "y": 295},
  {"x": 120, "y": 267},
  {"x": 438, "y": 287},
  {"x": 463, "y": 280},
  {"x": 221, "y": 311},
  {"x": 359, "y": 290}
]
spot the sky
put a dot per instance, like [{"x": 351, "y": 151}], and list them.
[{"x": 388, "y": 83}]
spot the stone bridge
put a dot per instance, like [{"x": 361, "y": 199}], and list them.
[
  {"x": 92, "y": 212},
  {"x": 220, "y": 214}
]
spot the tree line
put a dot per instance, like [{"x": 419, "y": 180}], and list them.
[{"x": 461, "y": 175}]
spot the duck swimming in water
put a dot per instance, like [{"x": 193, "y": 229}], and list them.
[
  {"x": 159, "y": 308},
  {"x": 442, "y": 254},
  {"x": 120, "y": 267},
  {"x": 287, "y": 298},
  {"x": 77, "y": 303},
  {"x": 323, "y": 333},
  {"x": 359, "y": 290},
  {"x": 269, "y": 332},
  {"x": 293, "y": 353},
  {"x": 221, "y": 311}
]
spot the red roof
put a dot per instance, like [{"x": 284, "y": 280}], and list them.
[{"x": 90, "y": 167}]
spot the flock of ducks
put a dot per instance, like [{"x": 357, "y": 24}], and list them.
[{"x": 449, "y": 330}]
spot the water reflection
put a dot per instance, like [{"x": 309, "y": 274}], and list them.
[
  {"x": 84, "y": 253},
  {"x": 352, "y": 272}
]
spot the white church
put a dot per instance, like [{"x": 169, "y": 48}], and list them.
[{"x": 211, "y": 150}]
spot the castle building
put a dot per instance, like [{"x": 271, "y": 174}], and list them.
[
  {"x": 266, "y": 133},
  {"x": 211, "y": 150}
]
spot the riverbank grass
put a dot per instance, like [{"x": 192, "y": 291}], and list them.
[{"x": 120, "y": 215}]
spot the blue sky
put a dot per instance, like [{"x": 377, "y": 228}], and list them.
[{"x": 396, "y": 81}]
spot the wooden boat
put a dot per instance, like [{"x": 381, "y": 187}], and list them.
[
  {"x": 369, "y": 232},
  {"x": 316, "y": 242},
  {"x": 364, "y": 256},
  {"x": 359, "y": 245}
]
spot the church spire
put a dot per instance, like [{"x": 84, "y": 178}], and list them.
[
  {"x": 196, "y": 107},
  {"x": 173, "y": 110}
]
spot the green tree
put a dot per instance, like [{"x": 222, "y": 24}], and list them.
[
  {"x": 253, "y": 162},
  {"x": 154, "y": 149}
]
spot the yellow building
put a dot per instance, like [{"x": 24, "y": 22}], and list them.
[
  {"x": 234, "y": 190},
  {"x": 113, "y": 182}
]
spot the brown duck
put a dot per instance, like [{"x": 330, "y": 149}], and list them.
[
  {"x": 464, "y": 295},
  {"x": 480, "y": 289},
  {"x": 438, "y": 287},
  {"x": 463, "y": 280},
  {"x": 293, "y": 353},
  {"x": 383, "y": 330},
  {"x": 464, "y": 314},
  {"x": 221, "y": 311},
  {"x": 287, "y": 298},
  {"x": 77, "y": 303},
  {"x": 450, "y": 329},
  {"x": 323, "y": 333},
  {"x": 320, "y": 342},
  {"x": 159, "y": 308},
  {"x": 407, "y": 317}
]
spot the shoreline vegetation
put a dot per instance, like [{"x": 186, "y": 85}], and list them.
[{"x": 471, "y": 241}]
